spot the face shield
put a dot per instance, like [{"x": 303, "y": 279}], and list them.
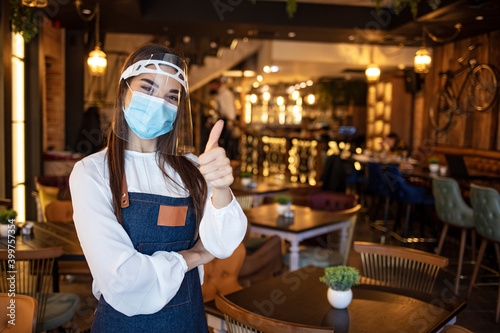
[{"x": 154, "y": 108}]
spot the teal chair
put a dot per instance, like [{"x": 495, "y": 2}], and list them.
[
  {"x": 486, "y": 204},
  {"x": 453, "y": 211}
]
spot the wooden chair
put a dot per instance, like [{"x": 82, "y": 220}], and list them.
[
  {"x": 399, "y": 267},
  {"x": 263, "y": 260},
  {"x": 221, "y": 275},
  {"x": 455, "y": 329},
  {"x": 34, "y": 277},
  {"x": 26, "y": 309},
  {"x": 241, "y": 320}
]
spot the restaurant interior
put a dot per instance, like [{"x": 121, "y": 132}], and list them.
[{"x": 375, "y": 123}]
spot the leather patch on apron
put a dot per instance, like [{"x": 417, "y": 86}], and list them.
[{"x": 172, "y": 216}]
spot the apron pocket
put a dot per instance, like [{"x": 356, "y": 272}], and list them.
[{"x": 184, "y": 293}]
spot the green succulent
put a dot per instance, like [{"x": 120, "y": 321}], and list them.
[
  {"x": 7, "y": 215},
  {"x": 340, "y": 277},
  {"x": 283, "y": 199}
]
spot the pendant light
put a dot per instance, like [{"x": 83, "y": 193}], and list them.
[
  {"x": 97, "y": 58},
  {"x": 422, "y": 61},
  {"x": 372, "y": 72}
]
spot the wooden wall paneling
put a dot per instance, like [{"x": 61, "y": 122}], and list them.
[
  {"x": 400, "y": 120},
  {"x": 494, "y": 61}
]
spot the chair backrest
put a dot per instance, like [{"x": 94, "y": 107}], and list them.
[
  {"x": 376, "y": 180},
  {"x": 399, "y": 267},
  {"x": 241, "y": 320},
  {"x": 263, "y": 263},
  {"x": 20, "y": 316},
  {"x": 221, "y": 275},
  {"x": 331, "y": 201},
  {"x": 450, "y": 207},
  {"x": 486, "y": 205},
  {"x": 33, "y": 274},
  {"x": 59, "y": 211},
  {"x": 50, "y": 189},
  {"x": 245, "y": 201}
]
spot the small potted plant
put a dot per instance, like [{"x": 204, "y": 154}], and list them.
[
  {"x": 339, "y": 280},
  {"x": 5, "y": 216},
  {"x": 433, "y": 164},
  {"x": 246, "y": 178},
  {"x": 284, "y": 202}
]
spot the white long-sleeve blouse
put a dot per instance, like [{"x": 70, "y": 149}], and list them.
[{"x": 131, "y": 282}]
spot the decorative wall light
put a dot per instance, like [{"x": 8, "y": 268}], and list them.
[{"x": 35, "y": 3}]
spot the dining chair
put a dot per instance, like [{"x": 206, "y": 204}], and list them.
[
  {"x": 399, "y": 267},
  {"x": 409, "y": 195},
  {"x": 486, "y": 205},
  {"x": 378, "y": 190},
  {"x": 25, "y": 311},
  {"x": 264, "y": 260},
  {"x": 221, "y": 275},
  {"x": 34, "y": 273},
  {"x": 324, "y": 255},
  {"x": 455, "y": 329},
  {"x": 453, "y": 211},
  {"x": 241, "y": 320}
]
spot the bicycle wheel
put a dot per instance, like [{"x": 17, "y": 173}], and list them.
[
  {"x": 481, "y": 89},
  {"x": 440, "y": 111}
]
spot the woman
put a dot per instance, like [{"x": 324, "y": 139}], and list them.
[{"x": 143, "y": 211}]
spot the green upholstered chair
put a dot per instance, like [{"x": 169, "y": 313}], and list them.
[
  {"x": 453, "y": 211},
  {"x": 486, "y": 204}
]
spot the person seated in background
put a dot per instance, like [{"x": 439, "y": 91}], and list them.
[{"x": 394, "y": 145}]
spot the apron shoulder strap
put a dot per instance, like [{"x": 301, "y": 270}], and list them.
[{"x": 124, "y": 199}]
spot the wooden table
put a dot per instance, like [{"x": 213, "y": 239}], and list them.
[
  {"x": 306, "y": 223},
  {"x": 300, "y": 297},
  {"x": 50, "y": 234}
]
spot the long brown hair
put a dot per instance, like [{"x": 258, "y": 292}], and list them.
[{"x": 191, "y": 177}]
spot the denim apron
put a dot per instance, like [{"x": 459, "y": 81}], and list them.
[{"x": 185, "y": 312}]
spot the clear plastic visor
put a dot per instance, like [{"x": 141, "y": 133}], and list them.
[{"x": 153, "y": 112}]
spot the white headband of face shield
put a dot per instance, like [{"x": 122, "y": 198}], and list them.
[{"x": 140, "y": 68}]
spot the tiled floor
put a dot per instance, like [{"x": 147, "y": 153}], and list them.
[{"x": 478, "y": 316}]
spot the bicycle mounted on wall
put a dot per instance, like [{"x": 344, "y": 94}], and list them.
[{"x": 478, "y": 92}]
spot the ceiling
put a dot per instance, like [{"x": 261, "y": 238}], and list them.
[{"x": 214, "y": 23}]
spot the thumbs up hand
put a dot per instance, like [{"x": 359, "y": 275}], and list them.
[{"x": 216, "y": 168}]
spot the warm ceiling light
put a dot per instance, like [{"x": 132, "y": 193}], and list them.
[
  {"x": 253, "y": 98},
  {"x": 274, "y": 69},
  {"x": 309, "y": 83},
  {"x": 97, "y": 62},
  {"x": 280, "y": 100},
  {"x": 372, "y": 73},
  {"x": 479, "y": 18},
  {"x": 249, "y": 73},
  {"x": 422, "y": 61},
  {"x": 255, "y": 84},
  {"x": 266, "y": 69},
  {"x": 295, "y": 95},
  {"x": 35, "y": 3},
  {"x": 230, "y": 31},
  {"x": 292, "y": 34},
  {"x": 260, "y": 78},
  {"x": 266, "y": 96},
  {"x": 302, "y": 84},
  {"x": 310, "y": 99},
  {"x": 186, "y": 39}
]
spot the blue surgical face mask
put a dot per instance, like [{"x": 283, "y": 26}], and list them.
[{"x": 149, "y": 117}]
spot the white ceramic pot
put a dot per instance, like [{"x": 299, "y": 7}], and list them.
[
  {"x": 4, "y": 230},
  {"x": 339, "y": 299},
  {"x": 246, "y": 181},
  {"x": 433, "y": 168},
  {"x": 282, "y": 209}
]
